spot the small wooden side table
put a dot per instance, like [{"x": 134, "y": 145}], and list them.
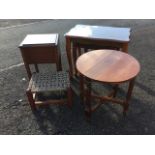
[
  {"x": 107, "y": 66},
  {"x": 40, "y": 48},
  {"x": 94, "y": 36}
]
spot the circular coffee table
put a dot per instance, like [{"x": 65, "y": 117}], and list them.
[{"x": 107, "y": 66}]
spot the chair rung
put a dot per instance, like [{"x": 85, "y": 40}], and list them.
[{"x": 51, "y": 102}]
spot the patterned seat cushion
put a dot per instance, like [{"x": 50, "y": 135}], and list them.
[{"x": 46, "y": 82}]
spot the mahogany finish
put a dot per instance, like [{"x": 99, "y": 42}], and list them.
[
  {"x": 95, "y": 37},
  {"x": 106, "y": 66},
  {"x": 39, "y": 49}
]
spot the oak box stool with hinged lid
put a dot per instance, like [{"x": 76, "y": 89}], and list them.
[{"x": 43, "y": 49}]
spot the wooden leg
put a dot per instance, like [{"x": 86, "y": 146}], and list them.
[
  {"x": 75, "y": 58},
  {"x": 79, "y": 51},
  {"x": 78, "y": 54},
  {"x": 36, "y": 68},
  {"x": 60, "y": 64},
  {"x": 125, "y": 47},
  {"x": 28, "y": 70},
  {"x": 30, "y": 99},
  {"x": 115, "y": 88},
  {"x": 82, "y": 88},
  {"x": 128, "y": 97},
  {"x": 69, "y": 55},
  {"x": 70, "y": 97},
  {"x": 88, "y": 100},
  {"x": 59, "y": 58}
]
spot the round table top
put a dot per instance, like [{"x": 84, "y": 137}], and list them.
[{"x": 108, "y": 66}]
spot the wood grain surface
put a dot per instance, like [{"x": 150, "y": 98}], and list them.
[{"x": 108, "y": 66}]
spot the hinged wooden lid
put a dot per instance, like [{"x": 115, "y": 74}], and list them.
[{"x": 40, "y": 40}]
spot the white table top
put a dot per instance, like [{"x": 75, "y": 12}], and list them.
[
  {"x": 40, "y": 39},
  {"x": 100, "y": 32}
]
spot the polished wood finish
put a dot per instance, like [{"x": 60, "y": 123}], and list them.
[
  {"x": 106, "y": 66},
  {"x": 95, "y": 37},
  {"x": 42, "y": 49},
  {"x": 100, "y": 32}
]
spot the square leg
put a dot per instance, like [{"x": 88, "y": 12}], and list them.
[{"x": 30, "y": 99}]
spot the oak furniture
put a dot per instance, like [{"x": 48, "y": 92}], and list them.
[
  {"x": 107, "y": 66},
  {"x": 43, "y": 49},
  {"x": 94, "y": 37}
]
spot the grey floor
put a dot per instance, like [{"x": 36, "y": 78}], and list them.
[{"x": 16, "y": 116}]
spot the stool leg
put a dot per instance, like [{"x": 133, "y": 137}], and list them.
[
  {"x": 128, "y": 97},
  {"x": 30, "y": 99}
]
